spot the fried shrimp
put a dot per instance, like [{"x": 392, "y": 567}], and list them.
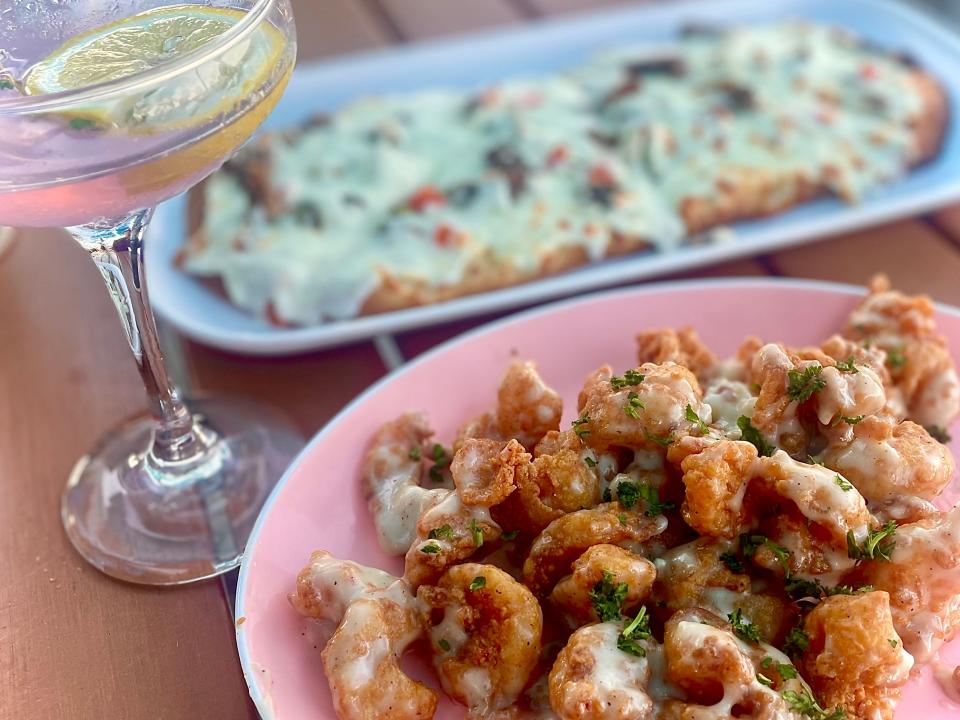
[
  {"x": 377, "y": 620},
  {"x": 391, "y": 481},
  {"x": 592, "y": 679},
  {"x": 484, "y": 471},
  {"x": 716, "y": 480},
  {"x": 647, "y": 407},
  {"x": 568, "y": 537},
  {"x": 886, "y": 459},
  {"x": 855, "y": 659},
  {"x": 526, "y": 409},
  {"x": 922, "y": 578},
  {"x": 721, "y": 674},
  {"x": 694, "y": 575},
  {"x": 487, "y": 640},
  {"x": 919, "y": 361},
  {"x": 775, "y": 413},
  {"x": 447, "y": 533},
  {"x": 572, "y": 593},
  {"x": 683, "y": 347}
]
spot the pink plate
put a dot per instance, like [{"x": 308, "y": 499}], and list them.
[{"x": 318, "y": 504}]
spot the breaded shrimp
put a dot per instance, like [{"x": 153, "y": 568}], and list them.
[
  {"x": 489, "y": 638},
  {"x": 526, "y": 409},
  {"x": 572, "y": 593},
  {"x": 716, "y": 480},
  {"x": 922, "y": 578},
  {"x": 693, "y": 575},
  {"x": 447, "y": 533},
  {"x": 391, "y": 481},
  {"x": 377, "y": 620},
  {"x": 720, "y": 673},
  {"x": 682, "y": 346},
  {"x": 775, "y": 414},
  {"x": 855, "y": 659},
  {"x": 484, "y": 471},
  {"x": 592, "y": 679},
  {"x": 884, "y": 458},
  {"x": 639, "y": 413},
  {"x": 919, "y": 362},
  {"x": 569, "y": 536}
]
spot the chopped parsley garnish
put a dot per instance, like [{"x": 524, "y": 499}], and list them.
[
  {"x": 876, "y": 546},
  {"x": 630, "y": 378},
  {"x": 628, "y": 493},
  {"x": 634, "y": 405},
  {"x": 895, "y": 358},
  {"x": 444, "y": 532},
  {"x": 797, "y": 641},
  {"x": 510, "y": 535},
  {"x": 661, "y": 441},
  {"x": 749, "y": 544},
  {"x": 651, "y": 496},
  {"x": 6, "y": 84},
  {"x": 415, "y": 454},
  {"x": 847, "y": 365},
  {"x": 591, "y": 463},
  {"x": 802, "y": 589},
  {"x": 805, "y": 704},
  {"x": 578, "y": 426},
  {"x": 804, "y": 383},
  {"x": 622, "y": 518},
  {"x": 444, "y": 645},
  {"x": 731, "y": 560},
  {"x": 753, "y": 436},
  {"x": 431, "y": 548},
  {"x": 848, "y": 420},
  {"x": 939, "y": 434},
  {"x": 691, "y": 415},
  {"x": 893, "y": 643},
  {"x": 607, "y": 598},
  {"x": 764, "y": 680},
  {"x": 786, "y": 671},
  {"x": 637, "y": 629},
  {"x": 477, "y": 533},
  {"x": 440, "y": 461},
  {"x": 744, "y": 629},
  {"x": 843, "y": 484},
  {"x": 607, "y": 495},
  {"x": 478, "y": 582}
]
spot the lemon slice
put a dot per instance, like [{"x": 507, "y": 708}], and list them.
[{"x": 147, "y": 40}]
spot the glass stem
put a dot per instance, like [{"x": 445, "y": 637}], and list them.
[{"x": 117, "y": 249}]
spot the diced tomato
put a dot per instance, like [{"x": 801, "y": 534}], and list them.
[
  {"x": 868, "y": 71},
  {"x": 445, "y": 236},
  {"x": 600, "y": 176},
  {"x": 425, "y": 197},
  {"x": 557, "y": 155}
]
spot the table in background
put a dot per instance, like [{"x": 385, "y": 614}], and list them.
[{"x": 75, "y": 644}]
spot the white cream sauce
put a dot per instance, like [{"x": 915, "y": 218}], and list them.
[
  {"x": 849, "y": 394},
  {"x": 728, "y": 400}
]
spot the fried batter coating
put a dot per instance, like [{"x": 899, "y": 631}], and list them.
[
  {"x": 716, "y": 480},
  {"x": 884, "y": 459},
  {"x": 526, "y": 410},
  {"x": 489, "y": 638},
  {"x": 568, "y": 537},
  {"x": 855, "y": 659},
  {"x": 922, "y": 578},
  {"x": 376, "y": 622},
  {"x": 593, "y": 680},
  {"x": 683, "y": 347},
  {"x": 572, "y": 593},
  {"x": 484, "y": 471},
  {"x": 391, "y": 481},
  {"x": 919, "y": 361},
  {"x": 644, "y": 414}
]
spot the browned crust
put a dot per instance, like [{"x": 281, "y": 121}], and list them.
[{"x": 744, "y": 194}]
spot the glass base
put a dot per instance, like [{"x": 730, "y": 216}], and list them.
[{"x": 144, "y": 521}]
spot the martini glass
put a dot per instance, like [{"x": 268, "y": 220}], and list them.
[{"x": 108, "y": 108}]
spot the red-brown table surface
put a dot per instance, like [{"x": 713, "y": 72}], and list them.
[{"x": 75, "y": 644}]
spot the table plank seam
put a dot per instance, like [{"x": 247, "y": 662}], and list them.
[
  {"x": 526, "y": 9},
  {"x": 385, "y": 20}
]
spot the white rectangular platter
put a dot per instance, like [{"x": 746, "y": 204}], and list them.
[{"x": 543, "y": 47}]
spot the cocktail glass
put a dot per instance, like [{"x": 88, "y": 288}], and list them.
[{"x": 171, "y": 495}]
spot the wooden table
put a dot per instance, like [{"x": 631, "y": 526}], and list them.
[{"x": 75, "y": 644}]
